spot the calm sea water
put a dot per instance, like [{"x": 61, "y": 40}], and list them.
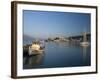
[{"x": 59, "y": 55}]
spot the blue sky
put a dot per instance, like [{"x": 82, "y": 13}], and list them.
[{"x": 44, "y": 24}]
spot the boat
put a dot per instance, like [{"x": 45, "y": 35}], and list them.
[
  {"x": 85, "y": 42},
  {"x": 36, "y": 48}
]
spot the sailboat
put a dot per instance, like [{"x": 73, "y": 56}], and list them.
[{"x": 85, "y": 42}]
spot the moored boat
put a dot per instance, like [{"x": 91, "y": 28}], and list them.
[
  {"x": 36, "y": 48},
  {"x": 85, "y": 42}
]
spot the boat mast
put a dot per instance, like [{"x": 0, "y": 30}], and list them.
[{"x": 84, "y": 37}]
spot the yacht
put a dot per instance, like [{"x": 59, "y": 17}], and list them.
[{"x": 36, "y": 48}]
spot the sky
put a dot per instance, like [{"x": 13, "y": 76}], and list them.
[{"x": 45, "y": 24}]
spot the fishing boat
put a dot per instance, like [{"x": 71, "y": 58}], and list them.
[
  {"x": 85, "y": 42},
  {"x": 36, "y": 48}
]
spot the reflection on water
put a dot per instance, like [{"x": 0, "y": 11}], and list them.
[
  {"x": 62, "y": 54},
  {"x": 33, "y": 61},
  {"x": 85, "y": 55},
  {"x": 84, "y": 52}
]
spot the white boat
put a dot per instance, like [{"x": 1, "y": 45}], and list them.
[
  {"x": 85, "y": 42},
  {"x": 36, "y": 48}
]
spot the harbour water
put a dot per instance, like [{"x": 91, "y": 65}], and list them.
[{"x": 63, "y": 54}]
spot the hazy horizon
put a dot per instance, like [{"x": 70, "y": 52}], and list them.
[{"x": 44, "y": 24}]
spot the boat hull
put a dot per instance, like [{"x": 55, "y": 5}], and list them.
[
  {"x": 84, "y": 43},
  {"x": 35, "y": 52}
]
